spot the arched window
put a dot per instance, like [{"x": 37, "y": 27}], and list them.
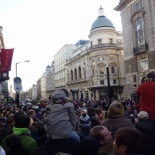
[
  {"x": 140, "y": 32},
  {"x": 79, "y": 71},
  {"x": 101, "y": 70},
  {"x": 71, "y": 75},
  {"x": 84, "y": 73},
  {"x": 75, "y": 73}
]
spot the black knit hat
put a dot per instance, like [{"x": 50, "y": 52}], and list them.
[
  {"x": 151, "y": 75},
  {"x": 22, "y": 122}
]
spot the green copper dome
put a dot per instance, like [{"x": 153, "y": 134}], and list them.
[{"x": 101, "y": 21}]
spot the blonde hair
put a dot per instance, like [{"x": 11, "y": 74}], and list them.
[{"x": 116, "y": 110}]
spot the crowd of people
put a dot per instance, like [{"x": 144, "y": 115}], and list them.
[{"x": 62, "y": 126}]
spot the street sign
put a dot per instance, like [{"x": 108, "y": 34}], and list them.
[{"x": 17, "y": 84}]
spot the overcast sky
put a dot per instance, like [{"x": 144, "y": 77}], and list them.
[{"x": 37, "y": 29}]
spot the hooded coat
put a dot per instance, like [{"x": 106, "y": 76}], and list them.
[
  {"x": 61, "y": 118},
  {"x": 24, "y": 134}
]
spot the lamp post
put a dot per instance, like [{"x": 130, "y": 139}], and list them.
[
  {"x": 108, "y": 82},
  {"x": 19, "y": 63},
  {"x": 17, "y": 93}
]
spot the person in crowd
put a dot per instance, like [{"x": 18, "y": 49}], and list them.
[
  {"x": 79, "y": 113},
  {"x": 146, "y": 92},
  {"x": 133, "y": 118},
  {"x": 53, "y": 146},
  {"x": 100, "y": 115},
  {"x": 99, "y": 137},
  {"x": 147, "y": 129},
  {"x": 7, "y": 128},
  {"x": 92, "y": 114},
  {"x": 84, "y": 126},
  {"x": 128, "y": 141},
  {"x": 144, "y": 79},
  {"x": 116, "y": 118},
  {"x": 37, "y": 126},
  {"x": 21, "y": 129},
  {"x": 39, "y": 114},
  {"x": 61, "y": 119},
  {"x": 14, "y": 146}
]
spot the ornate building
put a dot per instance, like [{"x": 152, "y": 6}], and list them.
[
  {"x": 138, "y": 25},
  {"x": 96, "y": 69}
]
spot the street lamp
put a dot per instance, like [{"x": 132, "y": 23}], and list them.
[
  {"x": 108, "y": 82},
  {"x": 19, "y": 63},
  {"x": 17, "y": 93}
]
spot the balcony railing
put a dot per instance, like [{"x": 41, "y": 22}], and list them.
[
  {"x": 140, "y": 49},
  {"x": 103, "y": 46}
]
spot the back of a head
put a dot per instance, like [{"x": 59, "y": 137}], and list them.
[
  {"x": 58, "y": 94},
  {"x": 151, "y": 76},
  {"x": 131, "y": 138},
  {"x": 89, "y": 146},
  {"x": 17, "y": 115},
  {"x": 143, "y": 115},
  {"x": 116, "y": 110},
  {"x": 66, "y": 92},
  {"x": 98, "y": 111},
  {"x": 91, "y": 111},
  {"x": 95, "y": 132},
  {"x": 10, "y": 119},
  {"x": 31, "y": 112},
  {"x": 22, "y": 122}
]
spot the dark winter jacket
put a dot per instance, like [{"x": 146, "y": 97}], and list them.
[
  {"x": 53, "y": 146},
  {"x": 147, "y": 128},
  {"x": 114, "y": 124},
  {"x": 89, "y": 146}
]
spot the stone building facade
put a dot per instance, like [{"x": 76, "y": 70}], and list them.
[
  {"x": 96, "y": 69},
  {"x": 138, "y": 24}
]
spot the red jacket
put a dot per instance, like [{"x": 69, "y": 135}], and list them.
[{"x": 146, "y": 91}]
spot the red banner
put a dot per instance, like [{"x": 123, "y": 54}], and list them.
[{"x": 6, "y": 59}]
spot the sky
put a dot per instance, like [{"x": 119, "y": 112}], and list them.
[{"x": 38, "y": 29}]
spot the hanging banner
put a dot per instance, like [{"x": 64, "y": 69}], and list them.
[{"x": 6, "y": 59}]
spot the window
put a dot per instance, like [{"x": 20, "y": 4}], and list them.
[
  {"x": 112, "y": 70},
  {"x": 101, "y": 58},
  {"x": 111, "y": 40},
  {"x": 102, "y": 82},
  {"x": 114, "y": 82},
  {"x": 84, "y": 74},
  {"x": 71, "y": 75},
  {"x": 79, "y": 70},
  {"x": 93, "y": 72},
  {"x": 140, "y": 32},
  {"x": 101, "y": 70},
  {"x": 99, "y": 41},
  {"x": 143, "y": 64},
  {"x": 136, "y": 7},
  {"x": 92, "y": 83},
  {"x": 75, "y": 73}
]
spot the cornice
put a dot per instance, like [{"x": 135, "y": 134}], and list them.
[{"x": 122, "y": 4}]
